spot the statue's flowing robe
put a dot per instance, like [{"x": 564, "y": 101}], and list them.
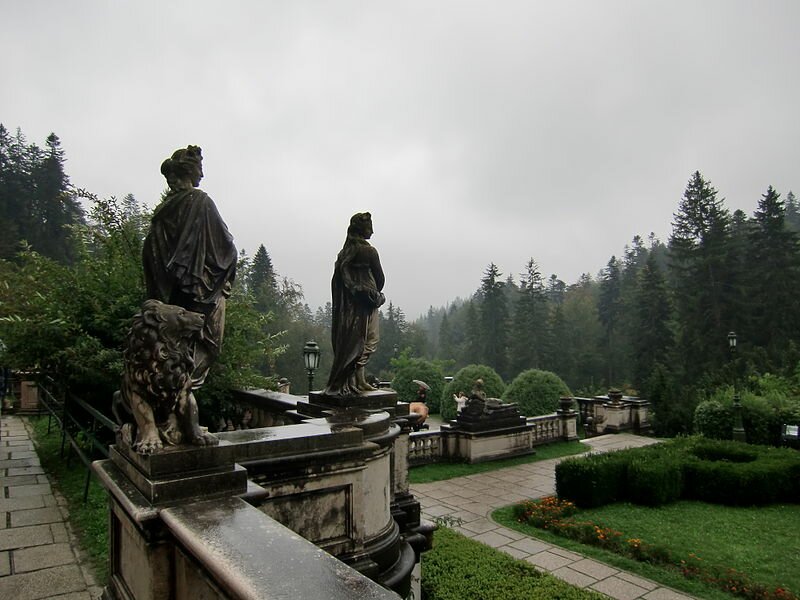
[
  {"x": 190, "y": 261},
  {"x": 356, "y": 295}
]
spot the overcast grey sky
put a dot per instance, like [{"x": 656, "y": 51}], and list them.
[{"x": 474, "y": 132}]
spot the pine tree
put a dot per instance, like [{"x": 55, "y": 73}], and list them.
[
  {"x": 699, "y": 264},
  {"x": 494, "y": 320},
  {"x": 528, "y": 337},
  {"x": 609, "y": 310},
  {"x": 792, "y": 212},
  {"x": 262, "y": 281},
  {"x": 652, "y": 315},
  {"x": 473, "y": 342},
  {"x": 775, "y": 268}
]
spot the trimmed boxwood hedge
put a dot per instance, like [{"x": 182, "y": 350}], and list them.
[
  {"x": 458, "y": 568},
  {"x": 717, "y": 471}
]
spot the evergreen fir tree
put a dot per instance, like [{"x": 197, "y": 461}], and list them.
[
  {"x": 699, "y": 263},
  {"x": 776, "y": 262},
  {"x": 652, "y": 314},
  {"x": 528, "y": 337},
  {"x": 494, "y": 320}
]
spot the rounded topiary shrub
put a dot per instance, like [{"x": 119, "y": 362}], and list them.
[
  {"x": 464, "y": 381},
  {"x": 537, "y": 392},
  {"x": 410, "y": 369},
  {"x": 713, "y": 420}
]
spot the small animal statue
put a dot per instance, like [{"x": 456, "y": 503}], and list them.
[{"x": 157, "y": 380}]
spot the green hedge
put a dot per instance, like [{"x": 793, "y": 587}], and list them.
[
  {"x": 458, "y": 568},
  {"x": 464, "y": 381},
  {"x": 537, "y": 392},
  {"x": 722, "y": 472},
  {"x": 598, "y": 480}
]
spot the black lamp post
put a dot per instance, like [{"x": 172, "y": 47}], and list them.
[
  {"x": 311, "y": 359},
  {"x": 738, "y": 427}
]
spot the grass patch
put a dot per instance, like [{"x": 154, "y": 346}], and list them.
[
  {"x": 442, "y": 471},
  {"x": 458, "y": 568},
  {"x": 89, "y": 520},
  {"x": 760, "y": 542}
]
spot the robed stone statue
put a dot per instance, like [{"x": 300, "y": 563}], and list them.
[
  {"x": 189, "y": 255},
  {"x": 356, "y": 288}
]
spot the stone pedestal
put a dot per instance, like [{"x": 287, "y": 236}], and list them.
[
  {"x": 616, "y": 417},
  {"x": 490, "y": 444},
  {"x": 333, "y": 479},
  {"x": 640, "y": 415},
  {"x": 569, "y": 430}
]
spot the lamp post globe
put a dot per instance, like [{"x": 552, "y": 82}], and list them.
[{"x": 311, "y": 359}]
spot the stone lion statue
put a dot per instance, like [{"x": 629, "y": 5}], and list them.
[{"x": 157, "y": 381}]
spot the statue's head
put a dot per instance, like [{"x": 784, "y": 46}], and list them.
[
  {"x": 184, "y": 167},
  {"x": 360, "y": 225}
]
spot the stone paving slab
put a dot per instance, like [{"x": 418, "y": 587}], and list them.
[
  {"x": 574, "y": 577},
  {"x": 20, "y": 491},
  {"x": 43, "y": 583},
  {"x": 618, "y": 589},
  {"x": 594, "y": 569},
  {"x": 23, "y": 537},
  {"x": 548, "y": 561},
  {"x": 36, "y": 516},
  {"x": 40, "y": 557},
  {"x": 24, "y": 503}
]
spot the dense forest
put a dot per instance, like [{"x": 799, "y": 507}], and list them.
[{"x": 653, "y": 322}]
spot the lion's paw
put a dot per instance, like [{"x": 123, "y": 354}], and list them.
[
  {"x": 148, "y": 446},
  {"x": 203, "y": 438}
]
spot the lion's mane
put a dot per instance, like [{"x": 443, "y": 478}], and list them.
[{"x": 158, "y": 361}]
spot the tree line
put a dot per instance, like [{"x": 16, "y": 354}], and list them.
[{"x": 654, "y": 321}]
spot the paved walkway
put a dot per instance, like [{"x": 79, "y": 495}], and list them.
[
  {"x": 39, "y": 557},
  {"x": 474, "y": 497}
]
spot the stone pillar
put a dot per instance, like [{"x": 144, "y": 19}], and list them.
[
  {"x": 640, "y": 415},
  {"x": 569, "y": 419}
]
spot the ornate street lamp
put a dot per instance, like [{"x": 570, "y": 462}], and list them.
[
  {"x": 311, "y": 359},
  {"x": 738, "y": 427}
]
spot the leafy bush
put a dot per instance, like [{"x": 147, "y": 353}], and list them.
[
  {"x": 713, "y": 420},
  {"x": 537, "y": 392},
  {"x": 763, "y": 415},
  {"x": 407, "y": 369},
  {"x": 458, "y": 568},
  {"x": 465, "y": 380}
]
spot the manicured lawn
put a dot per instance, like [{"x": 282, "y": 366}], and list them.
[
  {"x": 761, "y": 542},
  {"x": 442, "y": 471},
  {"x": 90, "y": 520}
]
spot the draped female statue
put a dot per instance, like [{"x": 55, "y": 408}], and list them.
[
  {"x": 356, "y": 289},
  {"x": 189, "y": 255}
]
